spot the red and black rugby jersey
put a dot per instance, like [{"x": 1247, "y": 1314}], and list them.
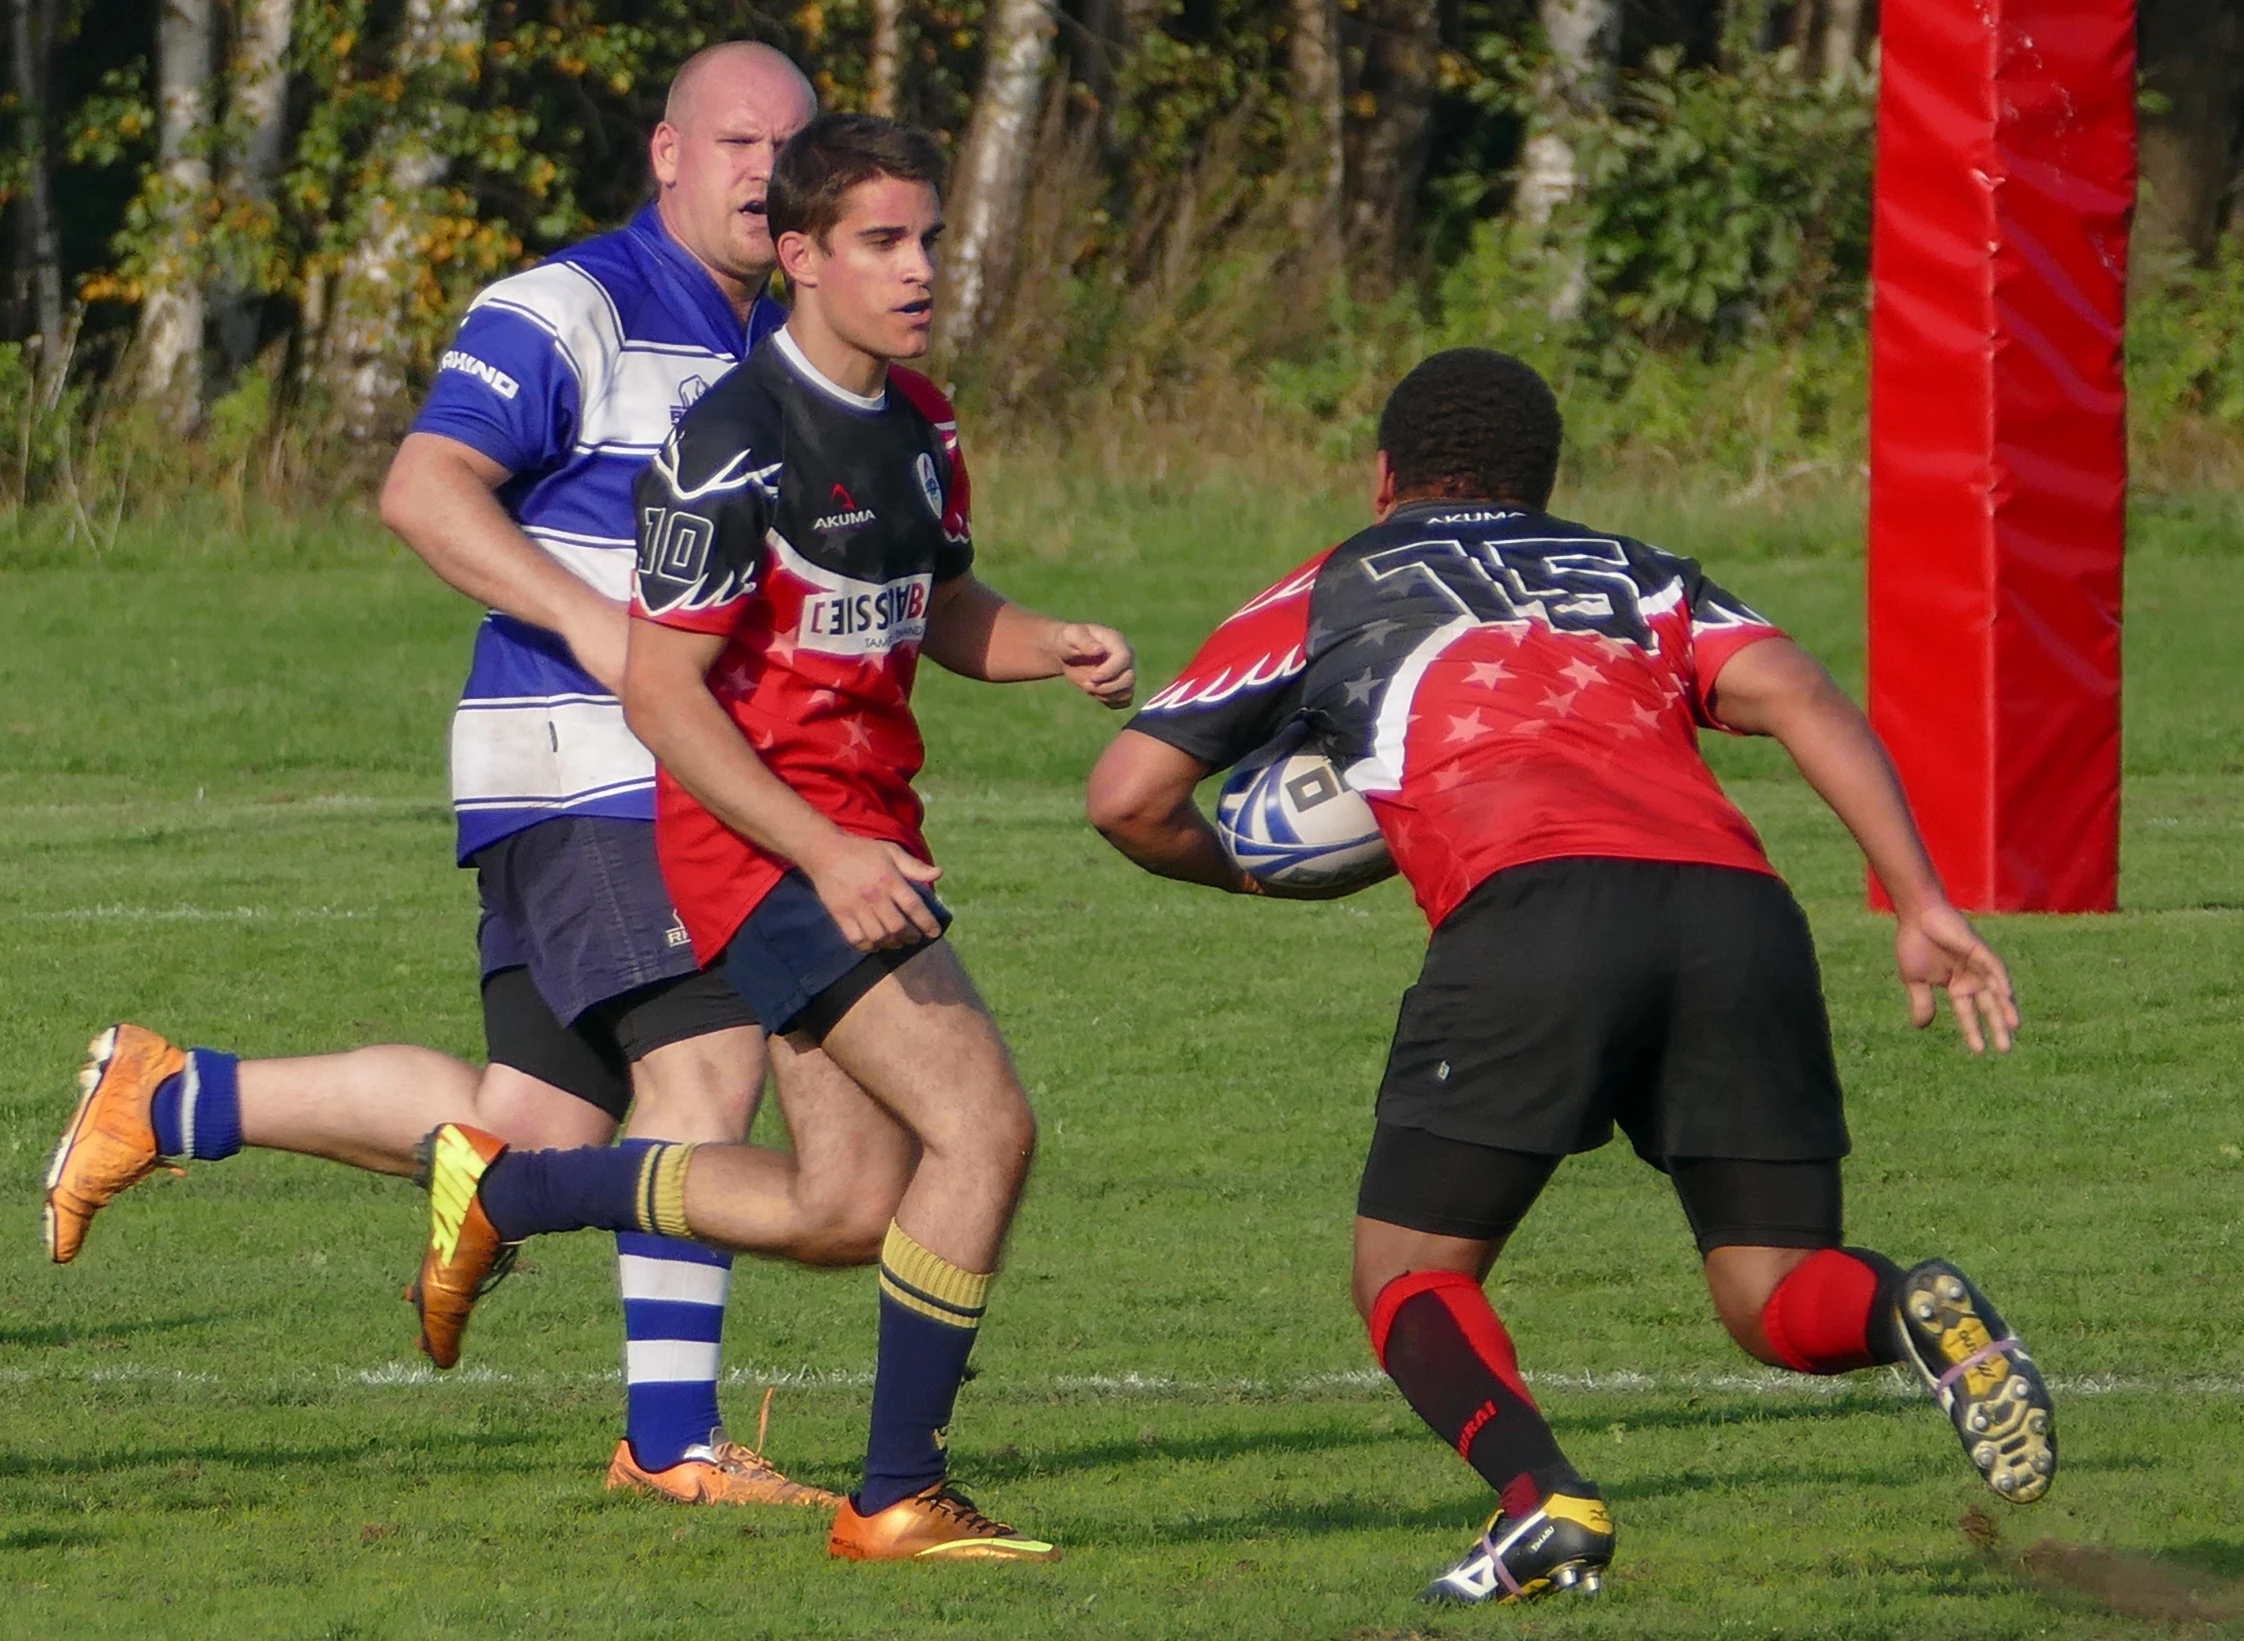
[
  {"x": 809, "y": 526},
  {"x": 1501, "y": 685}
]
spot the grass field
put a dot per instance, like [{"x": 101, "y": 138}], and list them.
[{"x": 224, "y": 816}]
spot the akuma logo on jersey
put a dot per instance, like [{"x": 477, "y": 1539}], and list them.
[
  {"x": 847, "y": 515},
  {"x": 467, "y": 364}
]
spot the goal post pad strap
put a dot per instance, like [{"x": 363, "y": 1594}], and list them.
[{"x": 1998, "y": 462}]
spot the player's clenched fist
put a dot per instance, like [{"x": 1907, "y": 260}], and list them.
[
  {"x": 1096, "y": 660},
  {"x": 870, "y": 889}
]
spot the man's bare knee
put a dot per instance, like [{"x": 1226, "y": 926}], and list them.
[{"x": 702, "y": 1088}]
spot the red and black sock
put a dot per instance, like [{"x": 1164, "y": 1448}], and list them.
[
  {"x": 1834, "y": 1312},
  {"x": 1434, "y": 1333}
]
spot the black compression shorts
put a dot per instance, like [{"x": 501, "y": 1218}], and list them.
[
  {"x": 592, "y": 1058},
  {"x": 1679, "y": 1002},
  {"x": 1481, "y": 1192}
]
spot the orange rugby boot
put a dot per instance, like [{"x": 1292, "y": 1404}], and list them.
[
  {"x": 717, "y": 1472},
  {"x": 939, "y": 1524},
  {"x": 465, "y": 1259},
  {"x": 111, "y": 1141},
  {"x": 720, "y": 1471}
]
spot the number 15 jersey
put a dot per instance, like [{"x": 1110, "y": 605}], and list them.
[{"x": 808, "y": 526}]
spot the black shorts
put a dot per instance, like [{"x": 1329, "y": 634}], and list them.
[
  {"x": 592, "y": 1058},
  {"x": 1681, "y": 1002},
  {"x": 796, "y": 969}
]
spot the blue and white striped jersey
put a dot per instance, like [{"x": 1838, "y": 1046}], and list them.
[{"x": 571, "y": 376}]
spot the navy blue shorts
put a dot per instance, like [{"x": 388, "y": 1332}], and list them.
[
  {"x": 792, "y": 965},
  {"x": 578, "y": 900}
]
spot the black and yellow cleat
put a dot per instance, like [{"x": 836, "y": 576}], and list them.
[
  {"x": 1982, "y": 1378},
  {"x": 1563, "y": 1547}
]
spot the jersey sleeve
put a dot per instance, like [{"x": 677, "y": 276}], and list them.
[
  {"x": 1721, "y": 625},
  {"x": 1244, "y": 682},
  {"x": 703, "y": 505},
  {"x": 948, "y": 491},
  {"x": 505, "y": 388}
]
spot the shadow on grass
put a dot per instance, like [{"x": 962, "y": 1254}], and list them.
[
  {"x": 464, "y": 1453},
  {"x": 62, "y": 1333},
  {"x": 1003, "y": 1465},
  {"x": 48, "y": 1538}
]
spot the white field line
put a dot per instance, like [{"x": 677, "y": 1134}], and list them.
[{"x": 1346, "y": 1384}]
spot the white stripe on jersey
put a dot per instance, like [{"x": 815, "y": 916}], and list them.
[
  {"x": 629, "y": 393},
  {"x": 604, "y": 566},
  {"x": 1383, "y": 770},
  {"x": 533, "y": 754}
]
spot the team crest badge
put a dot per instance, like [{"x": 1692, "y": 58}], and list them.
[{"x": 925, "y": 468}]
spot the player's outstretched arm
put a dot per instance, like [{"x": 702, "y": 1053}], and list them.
[
  {"x": 1775, "y": 688},
  {"x": 1140, "y": 799},
  {"x": 866, "y": 884},
  {"x": 441, "y": 499},
  {"x": 977, "y": 632}
]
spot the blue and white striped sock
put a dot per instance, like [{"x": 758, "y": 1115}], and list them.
[
  {"x": 673, "y": 1327},
  {"x": 197, "y": 1112}
]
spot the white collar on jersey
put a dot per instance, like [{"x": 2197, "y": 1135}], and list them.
[{"x": 820, "y": 380}]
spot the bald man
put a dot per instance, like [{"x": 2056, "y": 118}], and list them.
[{"x": 515, "y": 487}]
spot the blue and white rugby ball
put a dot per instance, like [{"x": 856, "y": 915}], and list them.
[{"x": 1288, "y": 819}]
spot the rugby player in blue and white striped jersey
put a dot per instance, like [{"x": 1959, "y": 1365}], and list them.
[{"x": 515, "y": 487}]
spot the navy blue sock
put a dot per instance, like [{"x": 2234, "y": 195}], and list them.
[
  {"x": 930, "y": 1310},
  {"x": 598, "y": 1188},
  {"x": 197, "y": 1113}
]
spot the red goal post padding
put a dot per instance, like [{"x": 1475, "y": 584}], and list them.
[{"x": 1998, "y": 462}]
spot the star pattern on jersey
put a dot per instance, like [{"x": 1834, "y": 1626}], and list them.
[
  {"x": 1584, "y": 672},
  {"x": 1464, "y": 727},
  {"x": 1358, "y": 691},
  {"x": 1487, "y": 674}
]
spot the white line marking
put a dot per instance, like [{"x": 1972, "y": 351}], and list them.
[{"x": 1340, "y": 1384}]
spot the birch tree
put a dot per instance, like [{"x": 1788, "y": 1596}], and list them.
[
  {"x": 366, "y": 344},
  {"x": 171, "y": 314},
  {"x": 1577, "y": 82},
  {"x": 31, "y": 29},
  {"x": 1402, "y": 42},
  {"x": 1313, "y": 74},
  {"x": 259, "y": 117},
  {"x": 1842, "y": 36},
  {"x": 884, "y": 65},
  {"x": 992, "y": 174}
]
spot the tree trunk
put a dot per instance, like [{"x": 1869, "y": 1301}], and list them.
[
  {"x": 885, "y": 70},
  {"x": 38, "y": 253},
  {"x": 1402, "y": 42},
  {"x": 1313, "y": 73},
  {"x": 1842, "y": 36},
  {"x": 1576, "y": 83},
  {"x": 992, "y": 175},
  {"x": 2190, "y": 57},
  {"x": 367, "y": 343},
  {"x": 260, "y": 113},
  {"x": 171, "y": 314}
]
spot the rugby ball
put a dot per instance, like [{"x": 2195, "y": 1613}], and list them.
[{"x": 1287, "y": 819}]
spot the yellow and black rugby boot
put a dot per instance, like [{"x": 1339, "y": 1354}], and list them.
[
  {"x": 938, "y": 1524},
  {"x": 1982, "y": 1378},
  {"x": 110, "y": 1144},
  {"x": 465, "y": 1258},
  {"x": 1562, "y": 1548}
]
